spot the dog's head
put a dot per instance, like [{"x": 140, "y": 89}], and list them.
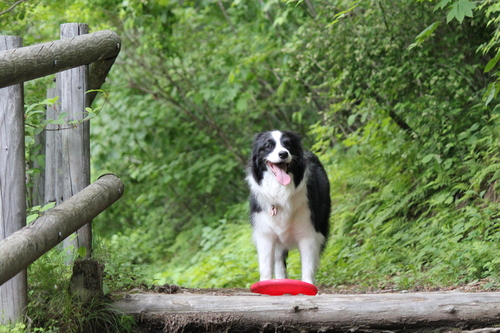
[{"x": 276, "y": 151}]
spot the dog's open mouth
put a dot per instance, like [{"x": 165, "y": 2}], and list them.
[{"x": 280, "y": 171}]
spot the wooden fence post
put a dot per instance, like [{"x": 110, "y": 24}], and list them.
[
  {"x": 53, "y": 153},
  {"x": 13, "y": 294},
  {"x": 73, "y": 85}
]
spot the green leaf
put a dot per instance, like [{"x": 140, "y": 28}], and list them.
[
  {"x": 105, "y": 288},
  {"x": 424, "y": 35},
  {"x": 60, "y": 119},
  {"x": 492, "y": 63},
  {"x": 460, "y": 9},
  {"x": 82, "y": 251},
  {"x": 279, "y": 21},
  {"x": 442, "y": 4},
  {"x": 30, "y": 218},
  {"x": 491, "y": 93},
  {"x": 297, "y": 117},
  {"x": 48, "y": 206},
  {"x": 427, "y": 158},
  {"x": 351, "y": 119},
  {"x": 342, "y": 14}
]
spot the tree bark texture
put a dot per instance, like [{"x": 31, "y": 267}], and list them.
[
  {"x": 86, "y": 281},
  {"x": 26, "y": 245},
  {"x": 31, "y": 62},
  {"x": 72, "y": 85},
  {"x": 53, "y": 153},
  {"x": 321, "y": 313},
  {"x": 13, "y": 294}
]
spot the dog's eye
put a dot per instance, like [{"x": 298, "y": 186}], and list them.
[{"x": 269, "y": 145}]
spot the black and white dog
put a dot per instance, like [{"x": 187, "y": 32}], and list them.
[{"x": 289, "y": 204}]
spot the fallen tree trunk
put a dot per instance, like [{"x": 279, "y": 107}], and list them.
[
  {"x": 28, "y": 244},
  {"x": 322, "y": 313}
]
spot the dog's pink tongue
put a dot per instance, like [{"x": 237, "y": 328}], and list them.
[{"x": 281, "y": 176}]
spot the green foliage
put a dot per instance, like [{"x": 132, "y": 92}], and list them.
[
  {"x": 212, "y": 84},
  {"x": 226, "y": 259},
  {"x": 121, "y": 272},
  {"x": 51, "y": 307},
  {"x": 37, "y": 211},
  {"x": 410, "y": 148},
  {"x": 405, "y": 120}
]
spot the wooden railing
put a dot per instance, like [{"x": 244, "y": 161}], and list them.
[{"x": 82, "y": 62}]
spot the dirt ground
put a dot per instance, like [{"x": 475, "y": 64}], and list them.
[{"x": 476, "y": 286}]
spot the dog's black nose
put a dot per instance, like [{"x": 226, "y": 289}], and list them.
[{"x": 283, "y": 154}]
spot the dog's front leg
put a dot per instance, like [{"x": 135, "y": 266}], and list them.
[
  {"x": 310, "y": 249},
  {"x": 265, "y": 244}
]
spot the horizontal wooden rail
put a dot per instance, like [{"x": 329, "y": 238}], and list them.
[
  {"x": 28, "y": 244},
  {"x": 322, "y": 313},
  {"x": 32, "y": 62}
]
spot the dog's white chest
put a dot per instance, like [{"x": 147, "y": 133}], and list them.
[{"x": 285, "y": 210}]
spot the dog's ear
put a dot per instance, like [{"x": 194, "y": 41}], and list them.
[
  {"x": 293, "y": 135},
  {"x": 258, "y": 141},
  {"x": 295, "y": 138},
  {"x": 258, "y": 136},
  {"x": 255, "y": 148}
]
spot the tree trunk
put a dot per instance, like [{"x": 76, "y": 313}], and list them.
[
  {"x": 13, "y": 294},
  {"x": 322, "y": 313}
]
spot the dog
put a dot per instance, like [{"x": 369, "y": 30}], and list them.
[{"x": 289, "y": 204}]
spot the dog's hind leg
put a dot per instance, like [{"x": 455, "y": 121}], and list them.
[{"x": 280, "y": 255}]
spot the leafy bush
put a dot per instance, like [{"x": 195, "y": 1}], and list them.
[{"x": 410, "y": 147}]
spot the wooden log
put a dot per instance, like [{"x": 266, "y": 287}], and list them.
[
  {"x": 97, "y": 76},
  {"x": 31, "y": 62},
  {"x": 38, "y": 190},
  {"x": 321, "y": 313},
  {"x": 53, "y": 153},
  {"x": 13, "y": 294},
  {"x": 73, "y": 85},
  {"x": 26, "y": 245}
]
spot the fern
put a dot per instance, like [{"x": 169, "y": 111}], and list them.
[{"x": 479, "y": 177}]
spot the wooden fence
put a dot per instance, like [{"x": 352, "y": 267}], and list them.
[{"x": 82, "y": 62}]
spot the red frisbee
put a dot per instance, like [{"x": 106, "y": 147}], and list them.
[{"x": 278, "y": 287}]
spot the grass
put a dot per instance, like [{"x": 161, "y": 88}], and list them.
[{"x": 52, "y": 308}]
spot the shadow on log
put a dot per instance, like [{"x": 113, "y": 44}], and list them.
[{"x": 422, "y": 312}]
